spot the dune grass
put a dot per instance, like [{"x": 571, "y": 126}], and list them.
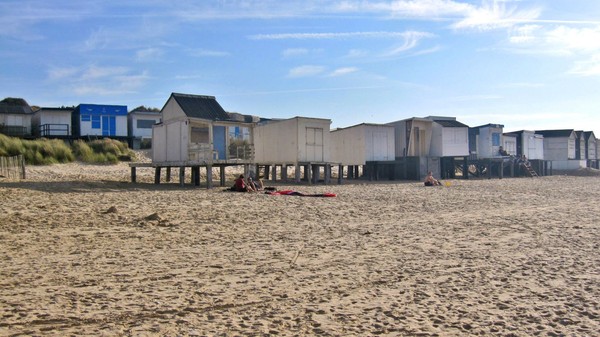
[{"x": 53, "y": 151}]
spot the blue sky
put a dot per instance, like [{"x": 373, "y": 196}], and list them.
[{"x": 527, "y": 64}]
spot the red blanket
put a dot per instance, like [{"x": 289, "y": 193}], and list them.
[{"x": 300, "y": 194}]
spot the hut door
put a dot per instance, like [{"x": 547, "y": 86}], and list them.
[
  {"x": 219, "y": 141},
  {"x": 314, "y": 144},
  {"x": 380, "y": 146},
  {"x": 109, "y": 125}
]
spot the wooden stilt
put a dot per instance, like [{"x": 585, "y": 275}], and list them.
[
  {"x": 157, "y": 175},
  {"x": 181, "y": 175},
  {"x": 168, "y": 174},
  {"x": 133, "y": 176},
  {"x": 208, "y": 176}
]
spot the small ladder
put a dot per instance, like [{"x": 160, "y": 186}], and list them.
[{"x": 530, "y": 170}]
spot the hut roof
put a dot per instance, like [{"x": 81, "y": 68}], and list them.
[
  {"x": 11, "y": 105},
  {"x": 448, "y": 123},
  {"x": 555, "y": 133},
  {"x": 200, "y": 106},
  {"x": 589, "y": 134}
]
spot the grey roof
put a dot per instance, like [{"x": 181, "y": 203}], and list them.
[
  {"x": 199, "y": 106},
  {"x": 448, "y": 123},
  {"x": 54, "y": 110},
  {"x": 490, "y": 125},
  {"x": 15, "y": 106},
  {"x": 589, "y": 134},
  {"x": 555, "y": 133}
]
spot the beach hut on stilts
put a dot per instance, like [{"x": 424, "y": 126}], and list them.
[
  {"x": 301, "y": 143},
  {"x": 367, "y": 146},
  {"x": 196, "y": 132}
]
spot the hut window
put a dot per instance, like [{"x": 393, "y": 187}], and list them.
[
  {"x": 200, "y": 135},
  {"x": 145, "y": 123},
  {"x": 96, "y": 122},
  {"x": 85, "y": 118},
  {"x": 495, "y": 139}
]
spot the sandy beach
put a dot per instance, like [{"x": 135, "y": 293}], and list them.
[{"x": 87, "y": 253}]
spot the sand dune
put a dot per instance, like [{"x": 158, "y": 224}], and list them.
[{"x": 85, "y": 252}]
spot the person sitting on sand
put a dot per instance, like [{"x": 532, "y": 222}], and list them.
[
  {"x": 431, "y": 181},
  {"x": 240, "y": 185},
  {"x": 255, "y": 185}
]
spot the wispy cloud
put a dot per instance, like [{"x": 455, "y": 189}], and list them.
[
  {"x": 411, "y": 39},
  {"x": 149, "y": 54},
  {"x": 522, "y": 85},
  {"x": 100, "y": 80},
  {"x": 294, "y": 52},
  {"x": 343, "y": 71},
  {"x": 476, "y": 98},
  {"x": 580, "y": 43},
  {"x": 305, "y": 71},
  {"x": 589, "y": 67},
  {"x": 341, "y": 35},
  {"x": 496, "y": 14},
  {"x": 209, "y": 53}
]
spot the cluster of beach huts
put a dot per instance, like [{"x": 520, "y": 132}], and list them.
[{"x": 195, "y": 131}]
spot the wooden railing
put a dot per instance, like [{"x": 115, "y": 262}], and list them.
[{"x": 12, "y": 167}]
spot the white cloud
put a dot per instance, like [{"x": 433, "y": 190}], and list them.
[
  {"x": 325, "y": 36},
  {"x": 357, "y": 53},
  {"x": 411, "y": 39},
  {"x": 95, "y": 72},
  {"x": 306, "y": 71},
  {"x": 476, "y": 98},
  {"x": 343, "y": 71},
  {"x": 579, "y": 43},
  {"x": 61, "y": 73},
  {"x": 293, "y": 52},
  {"x": 495, "y": 14},
  {"x": 149, "y": 54},
  {"x": 589, "y": 67},
  {"x": 209, "y": 53}
]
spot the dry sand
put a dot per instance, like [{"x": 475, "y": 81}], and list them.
[{"x": 85, "y": 252}]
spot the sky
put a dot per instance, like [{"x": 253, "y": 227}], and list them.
[{"x": 526, "y": 64}]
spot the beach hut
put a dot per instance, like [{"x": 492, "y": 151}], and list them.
[
  {"x": 195, "y": 128},
  {"x": 449, "y": 137},
  {"x": 15, "y": 117},
  {"x": 358, "y": 144},
  {"x": 52, "y": 122},
  {"x": 529, "y": 144},
  {"x": 591, "y": 145},
  {"x": 509, "y": 144},
  {"x": 412, "y": 137},
  {"x": 298, "y": 141},
  {"x": 368, "y": 145},
  {"x": 139, "y": 125},
  {"x": 100, "y": 120},
  {"x": 560, "y": 148},
  {"x": 485, "y": 140},
  {"x": 580, "y": 153}
]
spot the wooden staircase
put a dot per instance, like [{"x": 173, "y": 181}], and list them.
[{"x": 529, "y": 170}]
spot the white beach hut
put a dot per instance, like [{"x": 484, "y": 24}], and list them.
[
  {"x": 52, "y": 122},
  {"x": 298, "y": 141},
  {"x": 140, "y": 123},
  {"x": 358, "y": 144},
  {"x": 412, "y": 137},
  {"x": 485, "y": 140},
  {"x": 449, "y": 138},
  {"x": 559, "y": 147},
  {"x": 195, "y": 128},
  {"x": 591, "y": 145},
  {"x": 529, "y": 144}
]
